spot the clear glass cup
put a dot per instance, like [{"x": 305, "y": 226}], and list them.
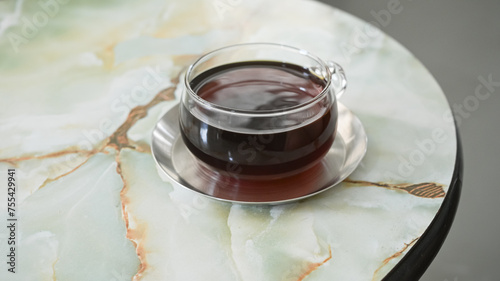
[{"x": 268, "y": 141}]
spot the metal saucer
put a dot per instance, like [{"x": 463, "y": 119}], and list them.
[{"x": 182, "y": 167}]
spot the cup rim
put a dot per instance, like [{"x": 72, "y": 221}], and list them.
[{"x": 260, "y": 113}]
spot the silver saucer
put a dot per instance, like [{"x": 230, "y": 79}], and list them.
[{"x": 181, "y": 166}]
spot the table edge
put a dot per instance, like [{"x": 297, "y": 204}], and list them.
[{"x": 414, "y": 264}]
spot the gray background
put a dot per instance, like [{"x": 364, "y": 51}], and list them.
[{"x": 458, "y": 41}]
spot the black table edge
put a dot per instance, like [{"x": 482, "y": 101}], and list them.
[{"x": 414, "y": 264}]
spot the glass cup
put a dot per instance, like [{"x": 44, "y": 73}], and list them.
[{"x": 260, "y": 109}]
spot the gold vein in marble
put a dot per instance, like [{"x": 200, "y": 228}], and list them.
[
  {"x": 49, "y": 180},
  {"x": 425, "y": 190},
  {"x": 54, "y": 270},
  {"x": 119, "y": 139},
  {"x": 312, "y": 267},
  {"x": 116, "y": 141},
  {"x": 131, "y": 235},
  {"x": 395, "y": 255},
  {"x": 14, "y": 160}
]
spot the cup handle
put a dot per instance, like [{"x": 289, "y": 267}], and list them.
[{"x": 338, "y": 78}]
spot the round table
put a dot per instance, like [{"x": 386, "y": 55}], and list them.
[{"x": 84, "y": 83}]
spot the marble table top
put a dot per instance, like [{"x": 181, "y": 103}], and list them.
[{"x": 82, "y": 85}]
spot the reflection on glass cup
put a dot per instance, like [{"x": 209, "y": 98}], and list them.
[{"x": 260, "y": 109}]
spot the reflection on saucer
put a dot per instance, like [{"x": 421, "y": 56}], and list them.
[
  {"x": 224, "y": 185},
  {"x": 172, "y": 155}
]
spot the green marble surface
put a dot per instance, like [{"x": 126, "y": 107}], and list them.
[{"x": 82, "y": 84}]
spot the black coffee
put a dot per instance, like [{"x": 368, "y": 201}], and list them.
[{"x": 259, "y": 86}]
